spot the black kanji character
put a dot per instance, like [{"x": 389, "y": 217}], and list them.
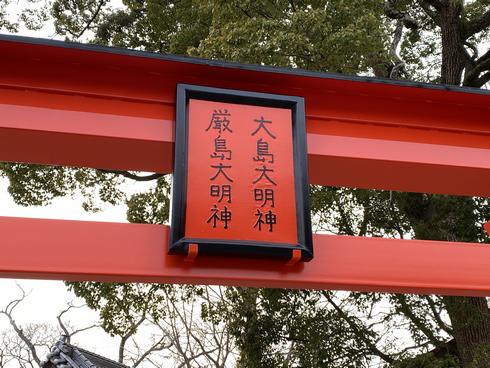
[
  {"x": 220, "y": 121},
  {"x": 262, "y": 123},
  {"x": 220, "y": 150},
  {"x": 214, "y": 216},
  {"x": 223, "y": 216},
  {"x": 270, "y": 219},
  {"x": 264, "y": 196},
  {"x": 263, "y": 151},
  {"x": 220, "y": 168},
  {"x": 220, "y": 191},
  {"x": 263, "y": 173}
]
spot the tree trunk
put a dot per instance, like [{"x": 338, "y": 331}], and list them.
[
  {"x": 453, "y": 58},
  {"x": 470, "y": 318}
]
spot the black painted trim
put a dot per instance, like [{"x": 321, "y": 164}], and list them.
[{"x": 178, "y": 243}]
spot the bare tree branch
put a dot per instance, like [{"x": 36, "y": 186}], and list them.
[
  {"x": 481, "y": 81},
  {"x": 158, "y": 346},
  {"x": 131, "y": 331},
  {"x": 7, "y": 311},
  {"x": 64, "y": 327}
]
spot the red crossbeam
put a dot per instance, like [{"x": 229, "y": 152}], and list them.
[
  {"x": 78, "y": 250},
  {"x": 140, "y": 143}
]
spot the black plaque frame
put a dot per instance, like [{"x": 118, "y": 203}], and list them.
[{"x": 179, "y": 244}]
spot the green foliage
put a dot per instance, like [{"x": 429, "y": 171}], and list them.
[
  {"x": 121, "y": 305},
  {"x": 437, "y": 217},
  {"x": 317, "y": 35},
  {"x": 36, "y": 185},
  {"x": 482, "y": 357},
  {"x": 358, "y": 212},
  {"x": 35, "y": 14},
  {"x": 151, "y": 207},
  {"x": 17, "y": 15},
  {"x": 280, "y": 328},
  {"x": 314, "y": 35},
  {"x": 6, "y": 23}
]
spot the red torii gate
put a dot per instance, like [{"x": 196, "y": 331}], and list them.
[{"x": 81, "y": 105}]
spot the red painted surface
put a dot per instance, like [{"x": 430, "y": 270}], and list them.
[
  {"x": 140, "y": 143},
  {"x": 99, "y": 109},
  {"x": 487, "y": 227},
  {"x": 402, "y": 166},
  {"x": 89, "y": 139},
  {"x": 77, "y": 250},
  {"x": 240, "y": 168}
]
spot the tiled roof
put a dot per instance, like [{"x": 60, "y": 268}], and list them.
[{"x": 65, "y": 355}]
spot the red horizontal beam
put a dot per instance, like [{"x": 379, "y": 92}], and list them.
[
  {"x": 85, "y": 139},
  {"x": 106, "y": 140},
  {"x": 77, "y": 250},
  {"x": 401, "y": 166}
]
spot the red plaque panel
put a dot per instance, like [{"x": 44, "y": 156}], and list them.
[
  {"x": 240, "y": 177},
  {"x": 240, "y": 173}
]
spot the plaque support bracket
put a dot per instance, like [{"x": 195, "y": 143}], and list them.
[
  {"x": 295, "y": 257},
  {"x": 192, "y": 252}
]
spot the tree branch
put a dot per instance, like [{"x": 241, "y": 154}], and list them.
[
  {"x": 124, "y": 338},
  {"x": 426, "y": 7},
  {"x": 481, "y": 81},
  {"x": 437, "y": 4},
  {"x": 64, "y": 327},
  {"x": 481, "y": 65},
  {"x": 473, "y": 48},
  {"x": 479, "y": 24},
  {"x": 91, "y": 20},
  {"x": 437, "y": 316},
  {"x": 132, "y": 176},
  {"x": 7, "y": 311},
  {"x": 402, "y": 20},
  {"x": 357, "y": 330},
  {"x": 407, "y": 311},
  {"x": 391, "y": 12},
  {"x": 397, "y": 37},
  {"x": 158, "y": 346}
]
